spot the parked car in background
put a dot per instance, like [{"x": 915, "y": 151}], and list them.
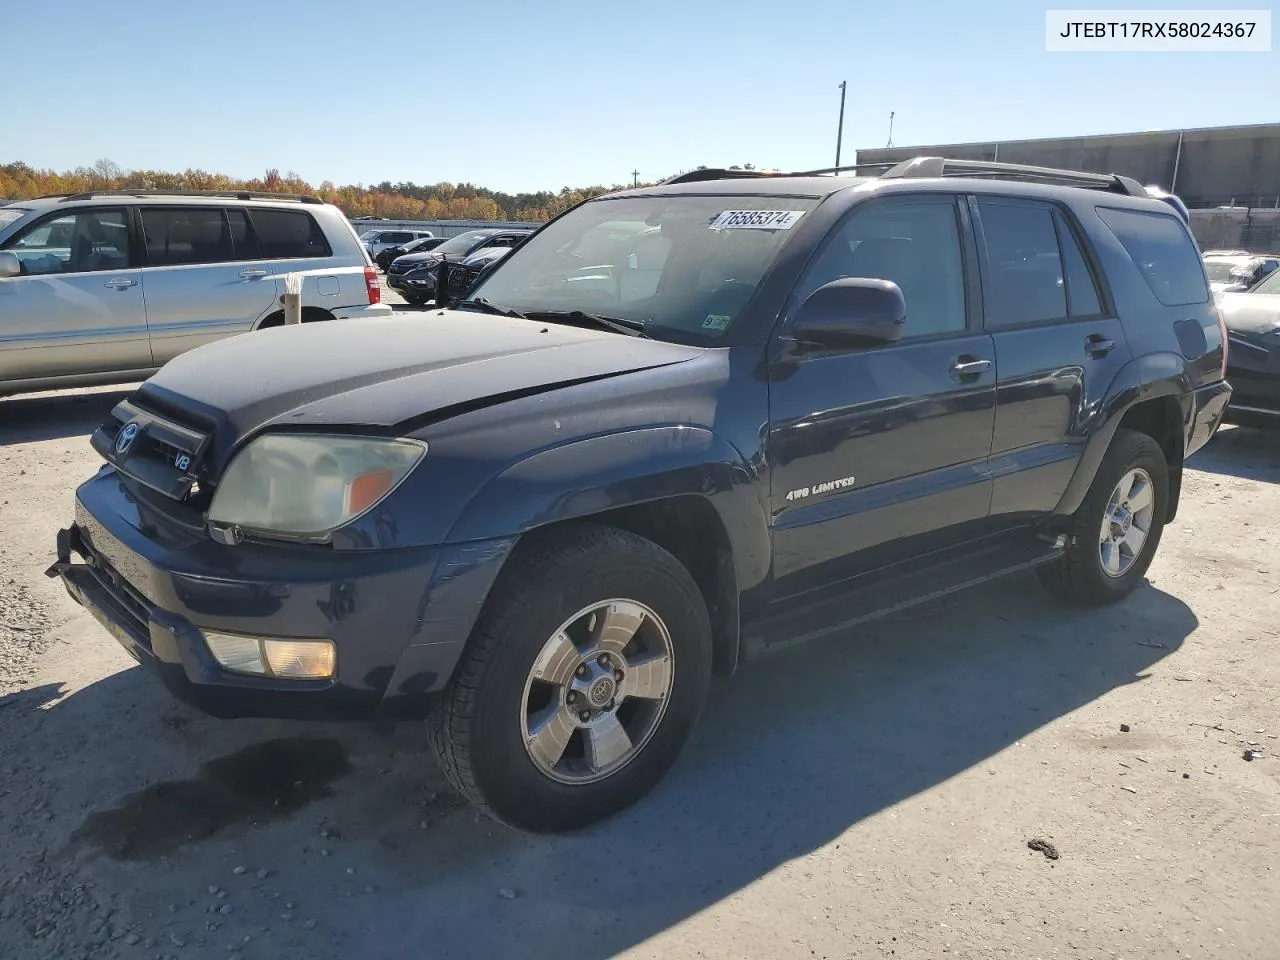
[
  {"x": 421, "y": 245},
  {"x": 454, "y": 279},
  {"x": 107, "y": 287},
  {"x": 413, "y": 276},
  {"x": 543, "y": 519},
  {"x": 1235, "y": 273},
  {"x": 375, "y": 241},
  {"x": 1253, "y": 363}
]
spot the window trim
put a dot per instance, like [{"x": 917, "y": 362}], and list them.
[
  {"x": 1105, "y": 300},
  {"x": 132, "y": 227},
  {"x": 932, "y": 197}
]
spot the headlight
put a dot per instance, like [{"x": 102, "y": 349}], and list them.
[{"x": 306, "y": 486}]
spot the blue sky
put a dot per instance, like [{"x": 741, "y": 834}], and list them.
[{"x": 548, "y": 93}]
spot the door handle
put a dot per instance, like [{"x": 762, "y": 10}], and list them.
[
  {"x": 120, "y": 283},
  {"x": 969, "y": 368},
  {"x": 252, "y": 274},
  {"x": 1096, "y": 345}
]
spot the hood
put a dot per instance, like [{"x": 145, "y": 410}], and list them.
[
  {"x": 386, "y": 374},
  {"x": 1250, "y": 313}
]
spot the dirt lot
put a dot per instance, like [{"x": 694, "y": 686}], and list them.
[{"x": 869, "y": 796}]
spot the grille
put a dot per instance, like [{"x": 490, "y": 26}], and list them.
[{"x": 152, "y": 449}]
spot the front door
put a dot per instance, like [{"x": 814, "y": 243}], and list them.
[
  {"x": 206, "y": 278},
  {"x": 76, "y": 309},
  {"x": 880, "y": 454}
]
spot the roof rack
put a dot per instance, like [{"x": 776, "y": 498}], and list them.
[
  {"x": 943, "y": 167},
  {"x": 229, "y": 194},
  {"x": 720, "y": 173}
]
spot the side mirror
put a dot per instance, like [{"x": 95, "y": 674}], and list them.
[
  {"x": 852, "y": 312},
  {"x": 10, "y": 265}
]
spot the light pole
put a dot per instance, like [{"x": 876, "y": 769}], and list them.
[{"x": 840, "y": 128}]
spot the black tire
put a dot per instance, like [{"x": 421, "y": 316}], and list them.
[
  {"x": 475, "y": 730},
  {"x": 1078, "y": 576}
]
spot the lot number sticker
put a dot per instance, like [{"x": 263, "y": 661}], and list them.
[{"x": 756, "y": 219}]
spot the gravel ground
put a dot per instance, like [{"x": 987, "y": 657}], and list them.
[{"x": 867, "y": 796}]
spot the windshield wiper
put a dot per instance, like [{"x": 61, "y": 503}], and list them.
[
  {"x": 485, "y": 306},
  {"x": 632, "y": 328}
]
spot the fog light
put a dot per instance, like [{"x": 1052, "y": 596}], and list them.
[
  {"x": 265, "y": 657},
  {"x": 238, "y": 654},
  {"x": 309, "y": 659}
]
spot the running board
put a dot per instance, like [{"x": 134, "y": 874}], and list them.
[{"x": 870, "y": 596}]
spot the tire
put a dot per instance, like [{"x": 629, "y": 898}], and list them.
[
  {"x": 479, "y": 730},
  {"x": 1080, "y": 576}
]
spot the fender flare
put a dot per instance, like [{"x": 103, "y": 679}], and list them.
[{"x": 1144, "y": 378}]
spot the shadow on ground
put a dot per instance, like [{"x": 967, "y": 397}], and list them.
[
  {"x": 51, "y": 417},
  {"x": 1244, "y": 452},
  {"x": 790, "y": 754}
]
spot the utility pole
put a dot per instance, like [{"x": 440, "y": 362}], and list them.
[
  {"x": 890, "y": 143},
  {"x": 840, "y": 127},
  {"x": 635, "y": 178}
]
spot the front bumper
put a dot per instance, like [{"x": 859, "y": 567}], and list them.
[
  {"x": 1253, "y": 369},
  {"x": 399, "y": 618}
]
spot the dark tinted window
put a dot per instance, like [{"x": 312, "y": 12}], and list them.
[
  {"x": 1024, "y": 283},
  {"x": 288, "y": 234},
  {"x": 242, "y": 236},
  {"x": 176, "y": 235},
  {"x": 915, "y": 245},
  {"x": 1164, "y": 253},
  {"x": 83, "y": 242},
  {"x": 1082, "y": 292}
]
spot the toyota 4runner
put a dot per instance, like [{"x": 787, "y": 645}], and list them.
[{"x": 678, "y": 426}]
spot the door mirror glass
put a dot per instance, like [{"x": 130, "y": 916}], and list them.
[
  {"x": 852, "y": 312},
  {"x": 10, "y": 265}
]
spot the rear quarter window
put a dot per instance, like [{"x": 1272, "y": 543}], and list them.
[
  {"x": 289, "y": 234},
  {"x": 1164, "y": 252}
]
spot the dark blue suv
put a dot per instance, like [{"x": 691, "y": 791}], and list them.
[{"x": 676, "y": 427}]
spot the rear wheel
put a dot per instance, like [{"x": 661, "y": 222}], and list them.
[
  {"x": 1115, "y": 532},
  {"x": 580, "y": 684}
]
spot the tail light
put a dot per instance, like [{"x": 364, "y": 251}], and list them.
[{"x": 371, "y": 283}]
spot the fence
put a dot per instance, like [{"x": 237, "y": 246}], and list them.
[{"x": 1256, "y": 229}]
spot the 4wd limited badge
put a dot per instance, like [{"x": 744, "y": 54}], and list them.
[{"x": 827, "y": 486}]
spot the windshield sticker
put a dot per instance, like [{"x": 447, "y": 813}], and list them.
[
  {"x": 716, "y": 321},
  {"x": 756, "y": 219}
]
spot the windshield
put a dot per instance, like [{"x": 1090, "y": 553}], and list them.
[
  {"x": 685, "y": 265},
  {"x": 10, "y": 214},
  {"x": 1220, "y": 270},
  {"x": 1270, "y": 285},
  {"x": 462, "y": 243}
]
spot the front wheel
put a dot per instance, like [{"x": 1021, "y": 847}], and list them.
[
  {"x": 580, "y": 684},
  {"x": 1115, "y": 532}
]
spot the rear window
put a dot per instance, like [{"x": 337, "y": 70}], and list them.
[
  {"x": 289, "y": 234},
  {"x": 177, "y": 235},
  {"x": 1164, "y": 252}
]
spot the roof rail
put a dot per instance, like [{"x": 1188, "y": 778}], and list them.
[
  {"x": 229, "y": 194},
  {"x": 944, "y": 167}
]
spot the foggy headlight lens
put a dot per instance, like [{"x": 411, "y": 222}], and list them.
[{"x": 300, "y": 485}]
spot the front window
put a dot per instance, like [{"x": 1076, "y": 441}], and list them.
[
  {"x": 91, "y": 240},
  {"x": 1270, "y": 285},
  {"x": 685, "y": 266}
]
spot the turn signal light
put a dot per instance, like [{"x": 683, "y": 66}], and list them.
[{"x": 269, "y": 657}]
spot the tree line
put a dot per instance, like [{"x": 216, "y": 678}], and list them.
[{"x": 395, "y": 201}]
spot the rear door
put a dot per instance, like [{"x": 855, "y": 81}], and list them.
[
  {"x": 205, "y": 278},
  {"x": 77, "y": 308},
  {"x": 1058, "y": 342},
  {"x": 880, "y": 454}
]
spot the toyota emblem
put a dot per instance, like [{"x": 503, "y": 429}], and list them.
[{"x": 125, "y": 438}]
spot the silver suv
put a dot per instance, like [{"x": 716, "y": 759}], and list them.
[{"x": 108, "y": 287}]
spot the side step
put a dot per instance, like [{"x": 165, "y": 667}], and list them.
[{"x": 886, "y": 592}]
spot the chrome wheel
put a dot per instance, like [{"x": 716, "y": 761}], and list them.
[
  {"x": 1126, "y": 522},
  {"x": 597, "y": 691}
]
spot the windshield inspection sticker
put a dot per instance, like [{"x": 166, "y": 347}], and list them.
[
  {"x": 756, "y": 219},
  {"x": 717, "y": 321}
]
